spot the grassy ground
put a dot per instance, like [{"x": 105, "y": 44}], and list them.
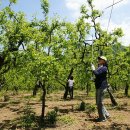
[{"x": 22, "y": 111}]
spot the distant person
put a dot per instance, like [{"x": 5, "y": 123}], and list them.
[
  {"x": 71, "y": 86},
  {"x": 101, "y": 85}
]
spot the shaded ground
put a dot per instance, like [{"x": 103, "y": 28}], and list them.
[{"x": 69, "y": 118}]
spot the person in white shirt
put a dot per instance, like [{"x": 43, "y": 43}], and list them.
[{"x": 71, "y": 86}]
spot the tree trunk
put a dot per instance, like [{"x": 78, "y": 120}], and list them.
[
  {"x": 43, "y": 100},
  {"x": 66, "y": 87},
  {"x": 38, "y": 85},
  {"x": 126, "y": 89},
  {"x": 1, "y": 61},
  {"x": 116, "y": 87},
  {"x": 66, "y": 91},
  {"x": 35, "y": 90},
  {"x": 87, "y": 88},
  {"x": 112, "y": 98}
]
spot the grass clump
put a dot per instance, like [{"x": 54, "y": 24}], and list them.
[
  {"x": 66, "y": 119},
  {"x": 89, "y": 108},
  {"x": 52, "y": 117},
  {"x": 6, "y": 98},
  {"x": 82, "y": 106},
  {"x": 29, "y": 118}
]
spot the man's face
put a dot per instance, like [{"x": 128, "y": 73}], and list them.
[{"x": 101, "y": 61}]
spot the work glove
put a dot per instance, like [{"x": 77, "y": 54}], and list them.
[{"x": 92, "y": 67}]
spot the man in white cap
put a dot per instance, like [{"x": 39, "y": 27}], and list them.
[{"x": 101, "y": 84}]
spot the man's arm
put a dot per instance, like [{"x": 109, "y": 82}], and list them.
[{"x": 100, "y": 70}]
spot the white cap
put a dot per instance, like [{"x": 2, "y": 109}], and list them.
[{"x": 102, "y": 57}]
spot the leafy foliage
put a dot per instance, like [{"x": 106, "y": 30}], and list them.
[{"x": 45, "y": 6}]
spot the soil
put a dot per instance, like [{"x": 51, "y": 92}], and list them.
[{"x": 69, "y": 117}]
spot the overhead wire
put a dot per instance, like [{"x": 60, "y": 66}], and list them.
[
  {"x": 113, "y": 4},
  {"x": 110, "y": 15},
  {"x": 107, "y": 28},
  {"x": 92, "y": 48}
]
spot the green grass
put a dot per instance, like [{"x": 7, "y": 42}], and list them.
[
  {"x": 66, "y": 119},
  {"x": 15, "y": 102}
]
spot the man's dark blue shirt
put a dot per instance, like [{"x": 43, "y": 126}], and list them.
[{"x": 101, "y": 77}]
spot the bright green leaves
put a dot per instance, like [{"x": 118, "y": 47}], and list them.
[
  {"x": 13, "y": 1},
  {"x": 118, "y": 32},
  {"x": 45, "y": 7},
  {"x": 96, "y": 13},
  {"x": 9, "y": 11},
  {"x": 83, "y": 9},
  {"x": 82, "y": 28}
]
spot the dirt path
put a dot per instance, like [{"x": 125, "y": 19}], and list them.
[{"x": 69, "y": 118}]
